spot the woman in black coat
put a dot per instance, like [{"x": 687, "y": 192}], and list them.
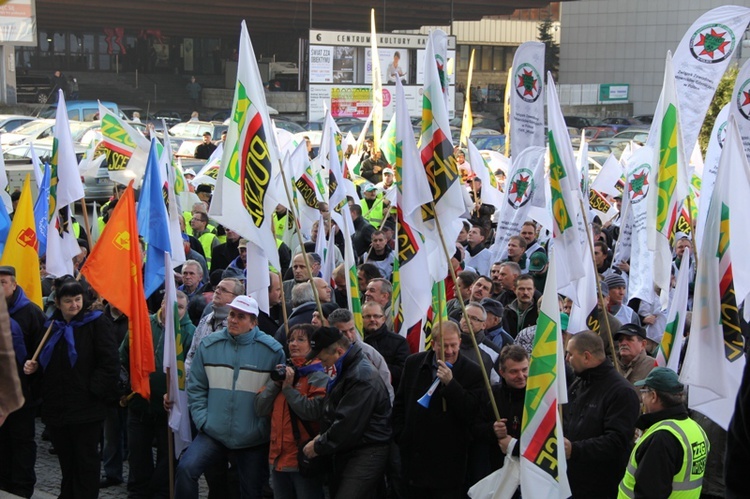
[{"x": 80, "y": 371}]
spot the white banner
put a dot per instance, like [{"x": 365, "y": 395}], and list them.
[{"x": 527, "y": 98}]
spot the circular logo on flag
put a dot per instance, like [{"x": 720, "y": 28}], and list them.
[
  {"x": 638, "y": 183},
  {"x": 712, "y": 43},
  {"x": 386, "y": 97},
  {"x": 721, "y": 134},
  {"x": 743, "y": 100},
  {"x": 528, "y": 82},
  {"x": 520, "y": 188}
]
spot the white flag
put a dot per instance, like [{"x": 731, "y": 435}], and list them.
[
  {"x": 527, "y": 98},
  {"x": 69, "y": 188},
  {"x": 710, "y": 169},
  {"x": 668, "y": 354}
]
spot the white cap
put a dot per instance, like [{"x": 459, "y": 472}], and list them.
[
  {"x": 245, "y": 304},
  {"x": 189, "y": 171}
]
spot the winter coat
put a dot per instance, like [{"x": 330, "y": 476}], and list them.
[{"x": 394, "y": 349}]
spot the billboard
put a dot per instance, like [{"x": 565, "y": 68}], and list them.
[{"x": 18, "y": 22}]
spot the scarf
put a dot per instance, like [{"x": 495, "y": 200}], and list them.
[{"x": 62, "y": 329}]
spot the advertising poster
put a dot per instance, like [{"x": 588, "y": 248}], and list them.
[
  {"x": 343, "y": 64},
  {"x": 394, "y": 63},
  {"x": 321, "y": 64}
]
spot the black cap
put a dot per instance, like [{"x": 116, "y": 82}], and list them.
[
  {"x": 631, "y": 330},
  {"x": 493, "y": 307},
  {"x": 323, "y": 337},
  {"x": 7, "y": 270}
]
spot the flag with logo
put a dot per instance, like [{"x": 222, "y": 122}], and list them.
[
  {"x": 122, "y": 285},
  {"x": 412, "y": 190},
  {"x": 436, "y": 151},
  {"x": 174, "y": 365},
  {"x": 715, "y": 358},
  {"x": 350, "y": 263},
  {"x": 306, "y": 191},
  {"x": 490, "y": 194},
  {"x": 21, "y": 246},
  {"x": 41, "y": 210},
  {"x": 527, "y": 98},
  {"x": 670, "y": 347},
  {"x": 701, "y": 58},
  {"x": 245, "y": 197},
  {"x": 543, "y": 464},
  {"x": 564, "y": 188},
  {"x": 126, "y": 148},
  {"x": 209, "y": 172},
  {"x": 153, "y": 223},
  {"x": 671, "y": 182},
  {"x": 609, "y": 180},
  {"x": 524, "y": 188}
]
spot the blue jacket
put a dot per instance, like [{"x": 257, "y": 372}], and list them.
[{"x": 225, "y": 377}]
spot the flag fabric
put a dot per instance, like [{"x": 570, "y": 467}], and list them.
[
  {"x": 21, "y": 246},
  {"x": 543, "y": 464},
  {"x": 564, "y": 188},
  {"x": 414, "y": 290},
  {"x": 447, "y": 205},
  {"x": 609, "y": 179},
  {"x": 4, "y": 196},
  {"x": 153, "y": 222},
  {"x": 127, "y": 149},
  {"x": 671, "y": 182},
  {"x": 527, "y": 98},
  {"x": 62, "y": 245},
  {"x": 467, "y": 123},
  {"x": 122, "y": 285},
  {"x": 4, "y": 226},
  {"x": 174, "y": 213},
  {"x": 244, "y": 200},
  {"x": 670, "y": 347},
  {"x": 209, "y": 172},
  {"x": 701, "y": 58},
  {"x": 174, "y": 365},
  {"x": 377, "y": 85},
  {"x": 350, "y": 263},
  {"x": 502, "y": 483},
  {"x": 331, "y": 162},
  {"x": 65, "y": 187},
  {"x": 739, "y": 106},
  {"x": 41, "y": 210},
  {"x": 715, "y": 357},
  {"x": 524, "y": 188},
  {"x": 490, "y": 193}
]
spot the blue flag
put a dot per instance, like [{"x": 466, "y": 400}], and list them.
[
  {"x": 153, "y": 225},
  {"x": 41, "y": 210},
  {"x": 4, "y": 226}
]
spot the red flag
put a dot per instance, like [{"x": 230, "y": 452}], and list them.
[{"x": 114, "y": 269}]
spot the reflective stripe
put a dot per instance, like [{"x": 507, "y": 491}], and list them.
[
  {"x": 688, "y": 485},
  {"x": 220, "y": 377},
  {"x": 631, "y": 469},
  {"x": 624, "y": 491},
  {"x": 686, "y": 448}
]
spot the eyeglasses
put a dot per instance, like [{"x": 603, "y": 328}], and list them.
[
  {"x": 645, "y": 390},
  {"x": 219, "y": 289},
  {"x": 475, "y": 319},
  {"x": 372, "y": 316}
]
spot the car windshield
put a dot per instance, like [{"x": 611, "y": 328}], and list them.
[
  {"x": 32, "y": 128},
  {"x": 78, "y": 128},
  {"x": 190, "y": 129}
]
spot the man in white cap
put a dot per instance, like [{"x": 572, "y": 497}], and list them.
[{"x": 228, "y": 370}]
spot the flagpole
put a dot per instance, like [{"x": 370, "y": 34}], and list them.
[
  {"x": 283, "y": 305},
  {"x": 463, "y": 310},
  {"x": 602, "y": 307},
  {"x": 86, "y": 223},
  {"x": 693, "y": 224},
  {"x": 623, "y": 217},
  {"x": 292, "y": 206},
  {"x": 170, "y": 443},
  {"x": 41, "y": 343}
]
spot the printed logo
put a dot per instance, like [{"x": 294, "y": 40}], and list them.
[
  {"x": 721, "y": 133},
  {"x": 27, "y": 237},
  {"x": 521, "y": 188},
  {"x": 712, "y": 43},
  {"x": 528, "y": 82},
  {"x": 638, "y": 183},
  {"x": 743, "y": 100}
]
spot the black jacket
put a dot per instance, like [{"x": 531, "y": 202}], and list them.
[
  {"x": 362, "y": 236},
  {"x": 599, "y": 420},
  {"x": 738, "y": 441},
  {"x": 467, "y": 349},
  {"x": 514, "y": 319},
  {"x": 357, "y": 408},
  {"x": 30, "y": 319},
  {"x": 223, "y": 254},
  {"x": 79, "y": 394},
  {"x": 510, "y": 402},
  {"x": 394, "y": 349},
  {"x": 435, "y": 443},
  {"x": 368, "y": 167}
]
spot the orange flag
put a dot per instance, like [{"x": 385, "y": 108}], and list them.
[
  {"x": 114, "y": 271},
  {"x": 21, "y": 247}
]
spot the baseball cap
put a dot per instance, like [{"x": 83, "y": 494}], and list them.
[
  {"x": 387, "y": 170},
  {"x": 323, "y": 337},
  {"x": 189, "y": 171},
  {"x": 8, "y": 270},
  {"x": 631, "y": 330},
  {"x": 370, "y": 187},
  {"x": 662, "y": 379},
  {"x": 242, "y": 243},
  {"x": 245, "y": 304},
  {"x": 537, "y": 261}
]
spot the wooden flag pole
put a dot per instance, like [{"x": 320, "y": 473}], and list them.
[
  {"x": 86, "y": 224},
  {"x": 283, "y": 305},
  {"x": 41, "y": 343},
  {"x": 170, "y": 444}
]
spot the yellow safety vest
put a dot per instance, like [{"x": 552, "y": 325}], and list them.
[
  {"x": 688, "y": 481},
  {"x": 373, "y": 215},
  {"x": 206, "y": 239}
]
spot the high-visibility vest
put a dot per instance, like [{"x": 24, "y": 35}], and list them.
[
  {"x": 688, "y": 481},
  {"x": 375, "y": 214},
  {"x": 207, "y": 239},
  {"x": 279, "y": 225}
]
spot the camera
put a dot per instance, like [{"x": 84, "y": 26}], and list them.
[{"x": 279, "y": 373}]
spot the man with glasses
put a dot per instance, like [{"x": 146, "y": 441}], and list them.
[
  {"x": 228, "y": 370},
  {"x": 393, "y": 347},
  {"x": 490, "y": 353},
  {"x": 380, "y": 290},
  {"x": 598, "y": 420}
]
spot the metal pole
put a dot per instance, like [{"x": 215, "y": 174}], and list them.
[
  {"x": 451, "y": 17},
  {"x": 311, "y": 1},
  {"x": 136, "y": 78}
]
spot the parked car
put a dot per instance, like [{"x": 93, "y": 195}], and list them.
[
  {"x": 33, "y": 88},
  {"x": 646, "y": 119},
  {"x": 9, "y": 122},
  {"x": 620, "y": 124},
  {"x": 489, "y": 142},
  {"x": 196, "y": 129},
  {"x": 597, "y": 132},
  {"x": 639, "y": 134},
  {"x": 581, "y": 122},
  {"x": 84, "y": 110},
  {"x": 289, "y": 126}
]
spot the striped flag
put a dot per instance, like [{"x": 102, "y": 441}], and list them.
[
  {"x": 543, "y": 465},
  {"x": 350, "y": 263},
  {"x": 668, "y": 354},
  {"x": 126, "y": 148}
]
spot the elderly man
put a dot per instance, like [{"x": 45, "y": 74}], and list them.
[
  {"x": 521, "y": 312},
  {"x": 434, "y": 437},
  {"x": 635, "y": 364},
  {"x": 228, "y": 370},
  {"x": 379, "y": 290},
  {"x": 392, "y": 346},
  {"x": 303, "y": 307},
  {"x": 670, "y": 457},
  {"x": 490, "y": 353},
  {"x": 300, "y": 273},
  {"x": 355, "y": 428},
  {"x": 598, "y": 420},
  {"x": 493, "y": 325},
  {"x": 17, "y": 445}
]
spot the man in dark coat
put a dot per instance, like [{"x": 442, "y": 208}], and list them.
[
  {"x": 391, "y": 346},
  {"x": 598, "y": 420},
  {"x": 434, "y": 440}
]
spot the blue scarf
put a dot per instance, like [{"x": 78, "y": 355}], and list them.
[
  {"x": 19, "y": 343},
  {"x": 339, "y": 363},
  {"x": 62, "y": 329},
  {"x": 310, "y": 368}
]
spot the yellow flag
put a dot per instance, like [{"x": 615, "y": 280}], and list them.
[
  {"x": 468, "y": 122},
  {"x": 21, "y": 248}
]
